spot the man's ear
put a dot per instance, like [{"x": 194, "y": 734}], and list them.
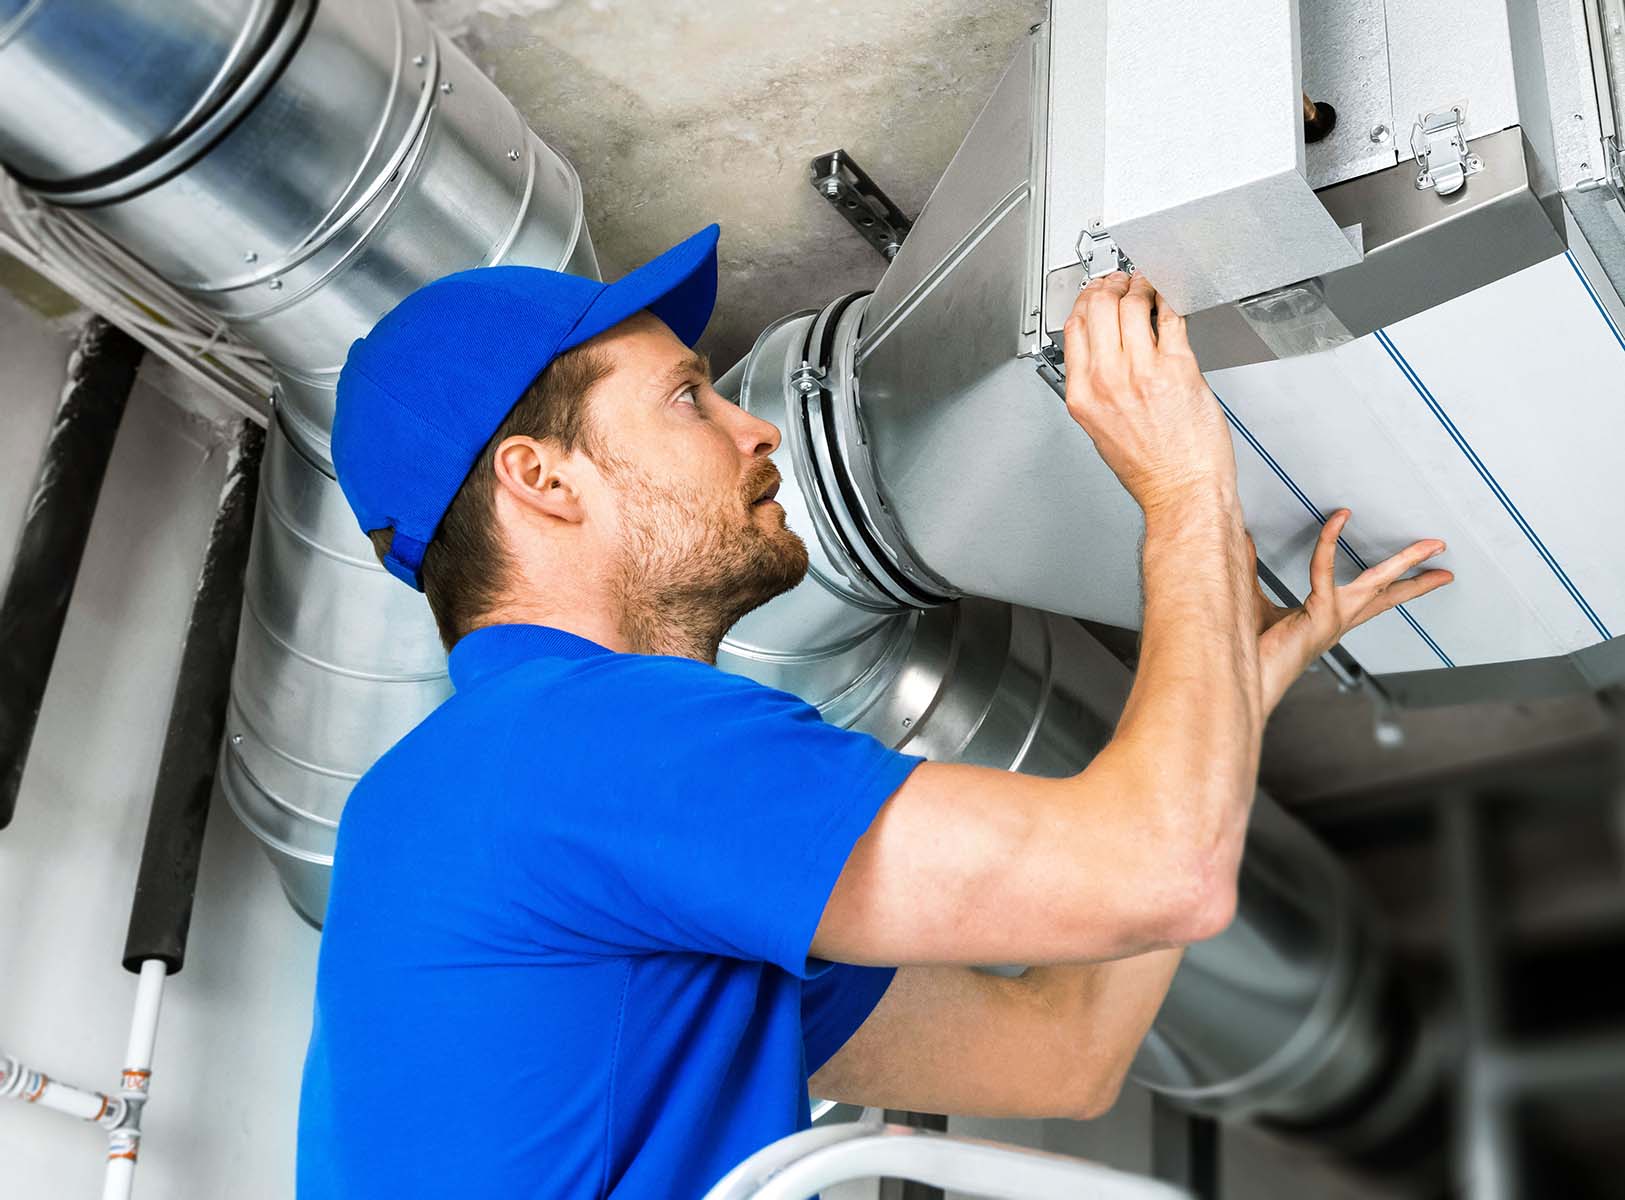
[{"x": 541, "y": 477}]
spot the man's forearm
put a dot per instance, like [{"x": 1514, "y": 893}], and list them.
[
  {"x": 1056, "y": 1041},
  {"x": 1188, "y": 741}
]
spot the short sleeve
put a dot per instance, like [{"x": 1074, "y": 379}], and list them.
[
  {"x": 675, "y": 807},
  {"x": 834, "y": 1003}
]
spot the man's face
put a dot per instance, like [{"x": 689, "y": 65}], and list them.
[{"x": 697, "y": 539}]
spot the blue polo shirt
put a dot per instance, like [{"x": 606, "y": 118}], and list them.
[{"x": 566, "y": 949}]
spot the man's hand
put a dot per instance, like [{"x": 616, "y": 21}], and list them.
[
  {"x": 1138, "y": 392},
  {"x": 1289, "y": 639}
]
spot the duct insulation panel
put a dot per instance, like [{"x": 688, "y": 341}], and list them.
[{"x": 1494, "y": 422}]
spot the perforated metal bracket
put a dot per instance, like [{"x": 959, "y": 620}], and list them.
[
  {"x": 856, "y": 197},
  {"x": 1443, "y": 161}
]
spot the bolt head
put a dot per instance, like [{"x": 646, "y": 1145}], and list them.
[
  {"x": 251, "y": 256},
  {"x": 832, "y": 187},
  {"x": 513, "y": 155},
  {"x": 420, "y": 60},
  {"x": 446, "y": 88},
  {"x": 1380, "y": 134},
  {"x": 890, "y": 249},
  {"x": 276, "y": 285}
]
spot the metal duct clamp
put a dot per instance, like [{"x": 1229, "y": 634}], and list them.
[{"x": 1443, "y": 161}]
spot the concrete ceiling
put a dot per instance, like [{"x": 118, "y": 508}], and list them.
[{"x": 682, "y": 112}]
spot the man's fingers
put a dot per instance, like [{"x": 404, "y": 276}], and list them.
[
  {"x": 1403, "y": 592},
  {"x": 1390, "y": 569},
  {"x": 1135, "y": 314},
  {"x": 1322, "y": 565},
  {"x": 1171, "y": 335},
  {"x": 1101, "y": 300},
  {"x": 1075, "y": 346}
]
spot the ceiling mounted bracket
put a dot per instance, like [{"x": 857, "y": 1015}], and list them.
[
  {"x": 1443, "y": 161},
  {"x": 849, "y": 190}
]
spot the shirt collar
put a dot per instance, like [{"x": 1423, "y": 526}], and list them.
[{"x": 493, "y": 648}]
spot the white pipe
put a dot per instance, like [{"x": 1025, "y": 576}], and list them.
[
  {"x": 123, "y": 1145},
  {"x": 36, "y": 1087}
]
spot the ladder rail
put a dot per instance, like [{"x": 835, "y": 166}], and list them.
[{"x": 799, "y": 1166}]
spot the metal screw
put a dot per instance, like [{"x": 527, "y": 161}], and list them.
[
  {"x": 445, "y": 88},
  {"x": 251, "y": 256},
  {"x": 1585, "y": 166},
  {"x": 806, "y": 387},
  {"x": 1096, "y": 225},
  {"x": 1579, "y": 116},
  {"x": 513, "y": 156},
  {"x": 890, "y": 249},
  {"x": 832, "y": 188},
  {"x": 907, "y": 721},
  {"x": 1380, "y": 134},
  {"x": 420, "y": 60},
  {"x": 276, "y": 285},
  {"x": 236, "y": 739}
]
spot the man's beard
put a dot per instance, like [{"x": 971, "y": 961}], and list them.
[{"x": 689, "y": 568}]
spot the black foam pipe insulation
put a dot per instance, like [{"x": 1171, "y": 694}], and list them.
[
  {"x": 161, "y": 911},
  {"x": 101, "y": 372}
]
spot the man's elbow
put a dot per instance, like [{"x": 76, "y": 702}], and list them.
[
  {"x": 1202, "y": 909},
  {"x": 1101, "y": 1084}
]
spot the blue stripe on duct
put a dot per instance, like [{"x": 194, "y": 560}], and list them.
[
  {"x": 1313, "y": 509},
  {"x": 1489, "y": 479}
]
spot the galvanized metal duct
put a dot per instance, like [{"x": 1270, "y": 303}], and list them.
[
  {"x": 1290, "y": 1015},
  {"x": 297, "y": 169},
  {"x": 947, "y": 464}
]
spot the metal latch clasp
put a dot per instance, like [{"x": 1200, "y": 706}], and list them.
[
  {"x": 1443, "y": 162},
  {"x": 1099, "y": 254}
]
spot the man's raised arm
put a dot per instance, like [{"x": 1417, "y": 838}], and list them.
[{"x": 971, "y": 865}]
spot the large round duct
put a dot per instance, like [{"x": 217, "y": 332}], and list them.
[{"x": 302, "y": 168}]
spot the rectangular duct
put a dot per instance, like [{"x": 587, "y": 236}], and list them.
[{"x": 1472, "y": 392}]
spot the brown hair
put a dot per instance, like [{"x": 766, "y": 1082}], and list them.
[{"x": 465, "y": 566}]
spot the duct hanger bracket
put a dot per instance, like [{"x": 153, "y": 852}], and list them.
[
  {"x": 1443, "y": 161},
  {"x": 856, "y": 197}
]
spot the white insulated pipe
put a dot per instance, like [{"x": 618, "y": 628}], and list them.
[{"x": 124, "y": 1143}]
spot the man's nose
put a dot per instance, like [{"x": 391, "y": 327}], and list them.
[{"x": 755, "y": 437}]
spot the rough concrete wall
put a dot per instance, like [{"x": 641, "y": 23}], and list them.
[{"x": 682, "y": 112}]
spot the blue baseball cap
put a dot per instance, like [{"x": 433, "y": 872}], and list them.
[{"x": 422, "y": 393}]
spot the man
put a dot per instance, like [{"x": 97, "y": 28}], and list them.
[{"x": 598, "y": 918}]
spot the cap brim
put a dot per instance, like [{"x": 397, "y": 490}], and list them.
[{"x": 679, "y": 287}]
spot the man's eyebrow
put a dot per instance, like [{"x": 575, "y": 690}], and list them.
[{"x": 688, "y": 367}]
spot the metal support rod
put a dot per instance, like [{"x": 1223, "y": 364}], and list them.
[
  {"x": 101, "y": 372},
  {"x": 161, "y": 911},
  {"x": 1184, "y": 1149},
  {"x": 1486, "y": 1156}
]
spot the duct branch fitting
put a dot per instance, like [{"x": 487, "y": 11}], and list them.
[
  {"x": 101, "y": 373},
  {"x": 161, "y": 911}
]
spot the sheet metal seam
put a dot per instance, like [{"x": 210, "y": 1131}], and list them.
[
  {"x": 1595, "y": 299},
  {"x": 1280, "y": 473},
  {"x": 1489, "y": 479}
]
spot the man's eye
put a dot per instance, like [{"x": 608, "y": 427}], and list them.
[{"x": 689, "y": 395}]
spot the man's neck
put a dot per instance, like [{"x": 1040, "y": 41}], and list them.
[{"x": 610, "y": 628}]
